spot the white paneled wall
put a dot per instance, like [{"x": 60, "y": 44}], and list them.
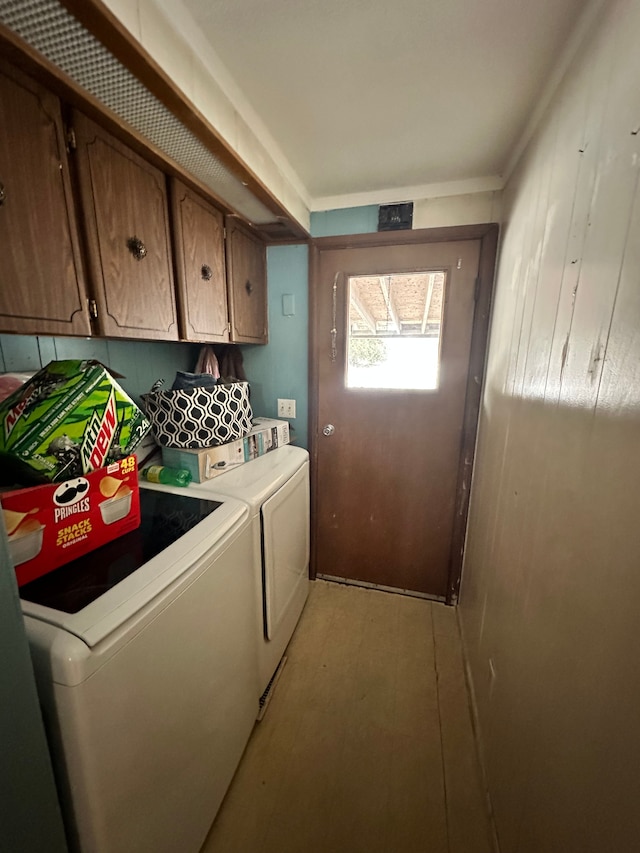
[{"x": 551, "y": 587}]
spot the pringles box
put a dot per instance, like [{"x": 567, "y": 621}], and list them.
[
  {"x": 70, "y": 418},
  {"x": 51, "y": 525}
]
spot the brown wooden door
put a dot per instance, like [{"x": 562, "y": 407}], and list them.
[
  {"x": 42, "y": 285},
  {"x": 124, "y": 199},
  {"x": 198, "y": 239},
  {"x": 247, "y": 276},
  {"x": 387, "y": 472}
]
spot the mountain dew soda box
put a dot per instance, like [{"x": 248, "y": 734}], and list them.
[{"x": 70, "y": 418}]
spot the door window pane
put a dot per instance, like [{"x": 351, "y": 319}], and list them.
[{"x": 393, "y": 331}]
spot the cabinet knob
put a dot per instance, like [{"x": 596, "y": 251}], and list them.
[
  {"x": 2, "y": 194},
  {"x": 249, "y": 288},
  {"x": 137, "y": 248},
  {"x": 206, "y": 272}
]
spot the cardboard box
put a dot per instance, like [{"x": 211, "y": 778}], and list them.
[
  {"x": 53, "y": 524},
  {"x": 71, "y": 418},
  {"x": 266, "y": 435}
]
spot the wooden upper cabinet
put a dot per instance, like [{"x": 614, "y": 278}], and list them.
[
  {"x": 124, "y": 200},
  {"x": 247, "y": 284},
  {"x": 198, "y": 241},
  {"x": 42, "y": 284}
]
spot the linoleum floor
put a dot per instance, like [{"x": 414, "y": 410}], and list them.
[{"x": 367, "y": 745}]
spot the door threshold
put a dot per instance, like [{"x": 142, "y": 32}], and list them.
[{"x": 382, "y": 588}]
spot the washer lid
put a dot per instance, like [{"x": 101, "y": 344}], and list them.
[{"x": 137, "y": 569}]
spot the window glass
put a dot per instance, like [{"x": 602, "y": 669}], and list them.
[{"x": 394, "y": 327}]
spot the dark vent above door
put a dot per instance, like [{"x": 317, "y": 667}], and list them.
[{"x": 395, "y": 217}]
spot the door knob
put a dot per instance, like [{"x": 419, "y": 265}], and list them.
[
  {"x": 137, "y": 248},
  {"x": 328, "y": 429}
]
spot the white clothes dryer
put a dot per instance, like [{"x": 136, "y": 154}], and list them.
[{"x": 276, "y": 488}]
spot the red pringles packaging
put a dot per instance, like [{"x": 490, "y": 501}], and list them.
[{"x": 53, "y": 524}]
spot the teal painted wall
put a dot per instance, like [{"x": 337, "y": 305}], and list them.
[
  {"x": 140, "y": 362},
  {"x": 30, "y": 820},
  {"x": 280, "y": 369},
  {"x": 350, "y": 220}
]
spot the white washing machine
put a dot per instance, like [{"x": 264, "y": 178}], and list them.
[
  {"x": 146, "y": 665},
  {"x": 276, "y": 488}
]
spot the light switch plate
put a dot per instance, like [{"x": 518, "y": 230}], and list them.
[{"x": 286, "y": 408}]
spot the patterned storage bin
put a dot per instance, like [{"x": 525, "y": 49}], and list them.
[{"x": 199, "y": 417}]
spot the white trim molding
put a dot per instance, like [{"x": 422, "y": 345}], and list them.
[{"x": 468, "y": 186}]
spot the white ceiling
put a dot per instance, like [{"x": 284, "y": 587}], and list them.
[{"x": 364, "y": 95}]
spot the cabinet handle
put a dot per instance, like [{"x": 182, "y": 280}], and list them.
[
  {"x": 249, "y": 288},
  {"x": 3, "y": 195},
  {"x": 137, "y": 248},
  {"x": 206, "y": 272}
]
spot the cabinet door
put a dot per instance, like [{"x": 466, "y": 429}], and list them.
[
  {"x": 124, "y": 200},
  {"x": 247, "y": 280},
  {"x": 42, "y": 284},
  {"x": 198, "y": 240}
]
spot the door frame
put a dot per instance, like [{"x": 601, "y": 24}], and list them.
[{"x": 487, "y": 234}]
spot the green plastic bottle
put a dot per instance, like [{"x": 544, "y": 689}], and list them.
[{"x": 167, "y": 476}]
